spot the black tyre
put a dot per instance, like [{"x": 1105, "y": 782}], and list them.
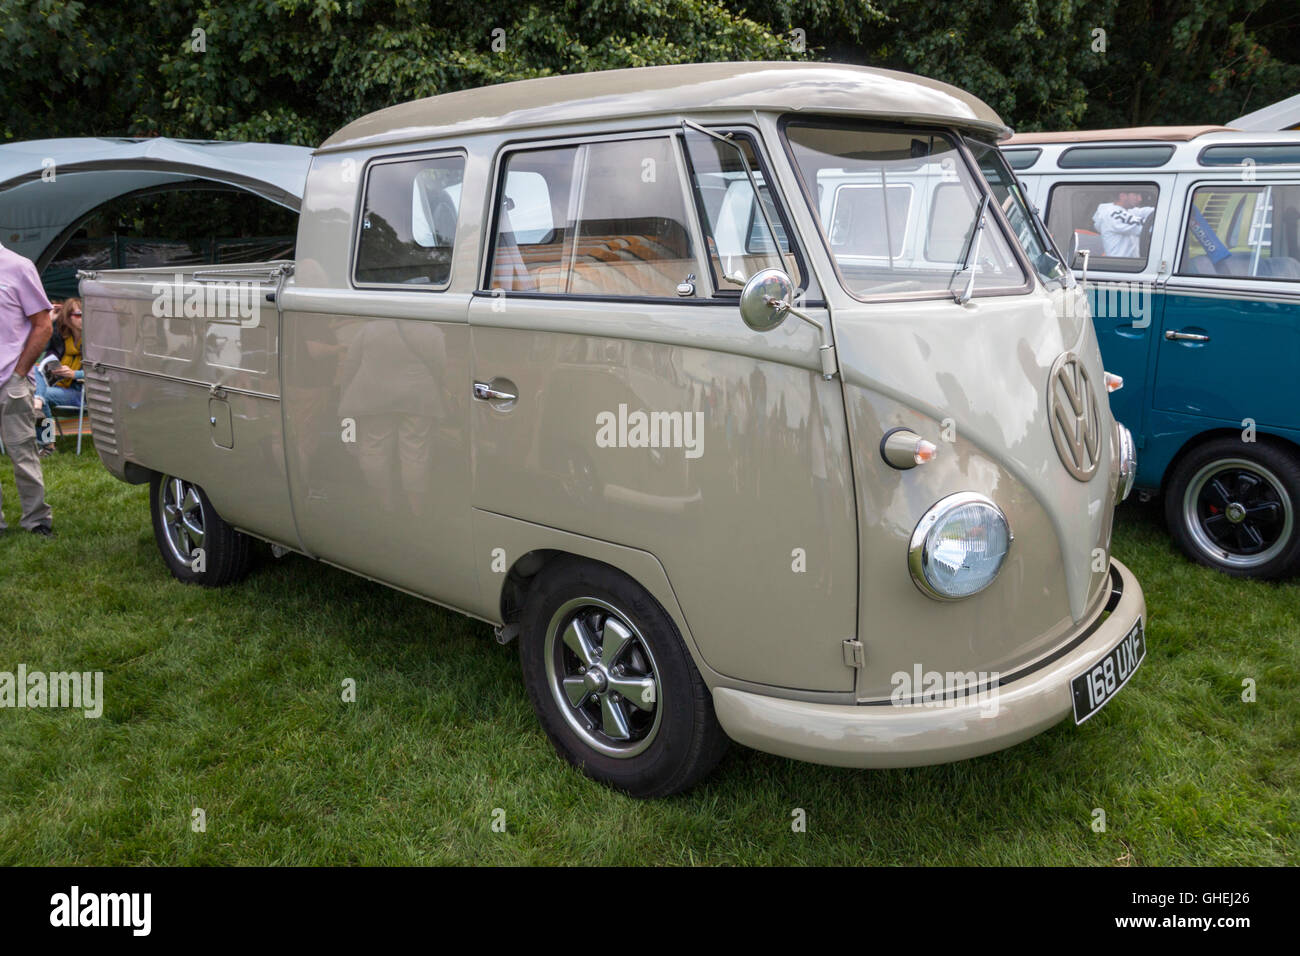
[
  {"x": 1231, "y": 505},
  {"x": 612, "y": 682},
  {"x": 196, "y": 545}
]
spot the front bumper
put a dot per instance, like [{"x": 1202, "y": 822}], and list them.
[{"x": 913, "y": 735}]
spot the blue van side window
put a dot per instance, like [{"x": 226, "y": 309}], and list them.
[
  {"x": 1115, "y": 157},
  {"x": 1112, "y": 221},
  {"x": 1244, "y": 232}
]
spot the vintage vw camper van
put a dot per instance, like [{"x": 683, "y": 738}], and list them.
[
  {"x": 1191, "y": 242},
  {"x": 749, "y": 399}
]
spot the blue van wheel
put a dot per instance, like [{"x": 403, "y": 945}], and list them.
[{"x": 1232, "y": 505}]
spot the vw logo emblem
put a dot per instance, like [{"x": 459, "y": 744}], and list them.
[{"x": 1073, "y": 416}]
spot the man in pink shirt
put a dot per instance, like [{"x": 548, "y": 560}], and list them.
[{"x": 24, "y": 332}]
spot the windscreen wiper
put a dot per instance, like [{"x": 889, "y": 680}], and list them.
[{"x": 972, "y": 253}]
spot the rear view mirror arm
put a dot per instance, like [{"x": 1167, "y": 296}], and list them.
[{"x": 826, "y": 351}]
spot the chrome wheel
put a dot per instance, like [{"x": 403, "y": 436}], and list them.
[
  {"x": 603, "y": 677},
  {"x": 1238, "y": 512},
  {"x": 181, "y": 510}
]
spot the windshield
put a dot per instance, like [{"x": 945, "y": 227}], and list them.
[
  {"x": 1029, "y": 229},
  {"x": 899, "y": 211}
]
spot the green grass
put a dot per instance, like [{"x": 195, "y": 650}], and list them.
[{"x": 230, "y": 701}]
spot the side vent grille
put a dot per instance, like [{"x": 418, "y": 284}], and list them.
[{"x": 99, "y": 405}]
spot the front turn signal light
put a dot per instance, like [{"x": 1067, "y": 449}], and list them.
[
  {"x": 1113, "y": 382},
  {"x": 903, "y": 448}
]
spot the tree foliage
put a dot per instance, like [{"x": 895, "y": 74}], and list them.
[{"x": 295, "y": 70}]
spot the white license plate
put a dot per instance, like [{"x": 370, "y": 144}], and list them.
[{"x": 1094, "y": 688}]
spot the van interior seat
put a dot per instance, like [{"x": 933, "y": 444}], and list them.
[
  {"x": 1279, "y": 267},
  {"x": 1089, "y": 242},
  {"x": 634, "y": 257}
]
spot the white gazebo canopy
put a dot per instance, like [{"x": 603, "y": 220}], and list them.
[
  {"x": 1284, "y": 114},
  {"x": 48, "y": 186}
]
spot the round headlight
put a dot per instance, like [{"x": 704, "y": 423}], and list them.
[
  {"x": 1127, "y": 462},
  {"x": 958, "y": 547}
]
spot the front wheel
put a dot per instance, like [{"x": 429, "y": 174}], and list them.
[
  {"x": 197, "y": 546},
  {"x": 612, "y": 683},
  {"x": 1231, "y": 505}
]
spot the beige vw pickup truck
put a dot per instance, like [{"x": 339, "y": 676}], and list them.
[{"x": 753, "y": 400}]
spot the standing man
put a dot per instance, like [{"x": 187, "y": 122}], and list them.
[
  {"x": 24, "y": 331},
  {"x": 1120, "y": 224}
]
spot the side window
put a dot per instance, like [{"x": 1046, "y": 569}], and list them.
[
  {"x": 606, "y": 218},
  {"x": 1112, "y": 221},
  {"x": 735, "y": 231},
  {"x": 1245, "y": 232},
  {"x": 408, "y": 222}
]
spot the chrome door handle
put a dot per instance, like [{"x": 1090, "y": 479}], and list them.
[
  {"x": 484, "y": 392},
  {"x": 1173, "y": 336}
]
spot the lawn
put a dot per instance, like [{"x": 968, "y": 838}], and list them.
[{"x": 230, "y": 701}]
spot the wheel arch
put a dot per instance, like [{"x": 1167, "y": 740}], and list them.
[
  {"x": 530, "y": 548},
  {"x": 1210, "y": 434}
]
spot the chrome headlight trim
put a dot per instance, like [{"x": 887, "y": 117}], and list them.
[
  {"x": 1127, "y": 462},
  {"x": 919, "y": 557}
]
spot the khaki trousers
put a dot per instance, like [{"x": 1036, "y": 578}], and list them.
[{"x": 18, "y": 431}]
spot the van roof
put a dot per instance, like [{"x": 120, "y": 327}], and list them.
[
  {"x": 1153, "y": 148},
  {"x": 684, "y": 88},
  {"x": 1168, "y": 134}
]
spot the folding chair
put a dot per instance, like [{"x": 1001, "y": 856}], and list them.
[{"x": 54, "y": 412}]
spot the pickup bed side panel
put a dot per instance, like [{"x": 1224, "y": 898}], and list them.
[{"x": 151, "y": 398}]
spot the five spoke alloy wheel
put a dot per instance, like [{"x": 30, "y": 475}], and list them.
[
  {"x": 1238, "y": 512},
  {"x": 1231, "y": 505},
  {"x": 603, "y": 677},
  {"x": 196, "y": 543},
  {"x": 181, "y": 511}
]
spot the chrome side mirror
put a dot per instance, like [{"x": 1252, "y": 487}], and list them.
[{"x": 765, "y": 300}]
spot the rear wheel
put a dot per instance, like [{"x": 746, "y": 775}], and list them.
[
  {"x": 612, "y": 683},
  {"x": 197, "y": 546},
  {"x": 1231, "y": 505}
]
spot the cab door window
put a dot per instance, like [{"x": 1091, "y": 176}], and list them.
[{"x": 603, "y": 219}]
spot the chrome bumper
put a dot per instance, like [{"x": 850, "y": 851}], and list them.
[{"x": 914, "y": 735}]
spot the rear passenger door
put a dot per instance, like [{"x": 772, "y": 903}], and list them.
[
  {"x": 621, "y": 397},
  {"x": 375, "y": 405},
  {"x": 1230, "y": 340}
]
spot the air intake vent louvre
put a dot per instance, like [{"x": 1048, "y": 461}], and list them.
[{"x": 99, "y": 404}]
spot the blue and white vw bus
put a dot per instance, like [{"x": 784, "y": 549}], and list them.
[{"x": 1189, "y": 239}]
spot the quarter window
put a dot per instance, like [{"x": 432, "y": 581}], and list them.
[
  {"x": 1111, "y": 221},
  {"x": 604, "y": 219},
  {"x": 1246, "y": 232},
  {"x": 408, "y": 222},
  {"x": 735, "y": 229}
]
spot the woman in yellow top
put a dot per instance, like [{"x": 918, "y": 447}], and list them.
[{"x": 59, "y": 379}]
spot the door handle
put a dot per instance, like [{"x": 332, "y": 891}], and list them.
[
  {"x": 485, "y": 392},
  {"x": 1173, "y": 336}
]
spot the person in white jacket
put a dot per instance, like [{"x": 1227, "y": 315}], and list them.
[{"x": 1120, "y": 224}]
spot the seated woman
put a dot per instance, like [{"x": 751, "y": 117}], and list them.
[{"x": 59, "y": 378}]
